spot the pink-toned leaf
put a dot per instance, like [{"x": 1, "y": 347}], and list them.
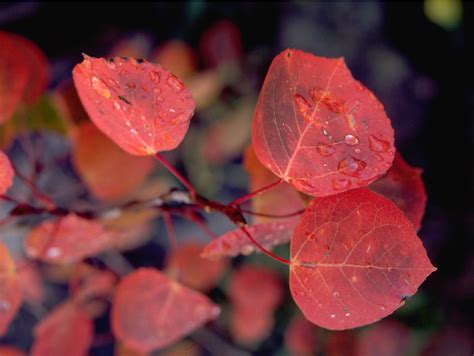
[
  {"x": 388, "y": 338},
  {"x": 10, "y": 291},
  {"x": 318, "y": 128},
  {"x": 150, "y": 311},
  {"x": 452, "y": 341},
  {"x": 6, "y": 173},
  {"x": 192, "y": 270},
  {"x": 98, "y": 160},
  {"x": 65, "y": 331},
  {"x": 300, "y": 337},
  {"x": 249, "y": 326},
  {"x": 11, "y": 351},
  {"x": 139, "y": 105},
  {"x": 256, "y": 288},
  {"x": 14, "y": 72},
  {"x": 281, "y": 200},
  {"x": 355, "y": 258},
  {"x": 31, "y": 282},
  {"x": 404, "y": 186},
  {"x": 67, "y": 239},
  {"x": 38, "y": 67},
  {"x": 89, "y": 283},
  {"x": 235, "y": 242}
]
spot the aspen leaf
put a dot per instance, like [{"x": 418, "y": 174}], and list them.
[
  {"x": 6, "y": 173},
  {"x": 388, "y": 338},
  {"x": 139, "y": 105},
  {"x": 318, "y": 128},
  {"x": 355, "y": 258},
  {"x": 151, "y": 311},
  {"x": 10, "y": 291}
]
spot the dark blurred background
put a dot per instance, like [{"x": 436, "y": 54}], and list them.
[{"x": 416, "y": 58}]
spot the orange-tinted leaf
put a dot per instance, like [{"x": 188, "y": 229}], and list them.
[
  {"x": 137, "y": 45},
  {"x": 101, "y": 164},
  {"x": 318, "y": 128},
  {"x": 281, "y": 200},
  {"x": 388, "y": 338},
  {"x": 10, "y": 292},
  {"x": 31, "y": 283},
  {"x": 221, "y": 43},
  {"x": 151, "y": 311},
  {"x": 235, "y": 242},
  {"x": 177, "y": 57},
  {"x": 255, "y": 288},
  {"x": 65, "y": 331},
  {"x": 6, "y": 173},
  {"x": 38, "y": 67},
  {"x": 67, "y": 239},
  {"x": 205, "y": 88},
  {"x": 403, "y": 185},
  {"x": 89, "y": 282},
  {"x": 300, "y": 337},
  {"x": 14, "y": 72},
  {"x": 355, "y": 258},
  {"x": 192, "y": 270},
  {"x": 11, "y": 351},
  {"x": 249, "y": 326},
  {"x": 139, "y": 105}
]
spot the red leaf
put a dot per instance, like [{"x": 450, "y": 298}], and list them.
[
  {"x": 249, "y": 326},
  {"x": 255, "y": 288},
  {"x": 14, "y": 73},
  {"x": 388, "y": 338},
  {"x": 340, "y": 343},
  {"x": 31, "y": 283},
  {"x": 281, "y": 200},
  {"x": 236, "y": 242},
  {"x": 38, "y": 67},
  {"x": 151, "y": 311},
  {"x": 65, "y": 331},
  {"x": 11, "y": 351},
  {"x": 177, "y": 57},
  {"x": 192, "y": 270},
  {"x": 98, "y": 160},
  {"x": 10, "y": 292},
  {"x": 318, "y": 128},
  {"x": 300, "y": 337},
  {"x": 67, "y": 239},
  {"x": 142, "y": 107},
  {"x": 403, "y": 185},
  {"x": 221, "y": 43},
  {"x": 355, "y": 258},
  {"x": 6, "y": 173}
]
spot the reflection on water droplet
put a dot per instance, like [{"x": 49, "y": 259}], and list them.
[
  {"x": 304, "y": 184},
  {"x": 348, "y": 314},
  {"x": 100, "y": 87},
  {"x": 351, "y": 166},
  {"x": 378, "y": 145},
  {"x": 325, "y": 150},
  {"x": 325, "y": 133},
  {"x": 303, "y": 106},
  {"x": 53, "y": 252},
  {"x": 155, "y": 76},
  {"x": 333, "y": 316},
  {"x": 175, "y": 83},
  {"x": 336, "y": 294},
  {"x": 340, "y": 184},
  {"x": 111, "y": 64},
  {"x": 351, "y": 140},
  {"x": 357, "y": 150},
  {"x": 116, "y": 105}
]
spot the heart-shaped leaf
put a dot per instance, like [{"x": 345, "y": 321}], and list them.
[
  {"x": 142, "y": 107},
  {"x": 318, "y": 128},
  {"x": 355, "y": 258},
  {"x": 151, "y": 311}
]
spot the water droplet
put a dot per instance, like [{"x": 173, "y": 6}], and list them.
[
  {"x": 155, "y": 76},
  {"x": 133, "y": 132},
  {"x": 87, "y": 63},
  {"x": 357, "y": 150},
  {"x": 116, "y": 105},
  {"x": 351, "y": 166},
  {"x": 4, "y": 305},
  {"x": 100, "y": 87},
  {"x": 131, "y": 85},
  {"x": 304, "y": 184},
  {"x": 325, "y": 133},
  {"x": 303, "y": 106},
  {"x": 111, "y": 64},
  {"x": 348, "y": 314},
  {"x": 53, "y": 252},
  {"x": 336, "y": 294},
  {"x": 333, "y": 316},
  {"x": 340, "y": 184},
  {"x": 351, "y": 140},
  {"x": 175, "y": 83},
  {"x": 378, "y": 145},
  {"x": 325, "y": 150}
]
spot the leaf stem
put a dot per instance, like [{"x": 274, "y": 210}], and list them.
[
  {"x": 170, "y": 229},
  {"x": 176, "y": 173},
  {"x": 263, "y": 249},
  {"x": 250, "y": 195}
]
